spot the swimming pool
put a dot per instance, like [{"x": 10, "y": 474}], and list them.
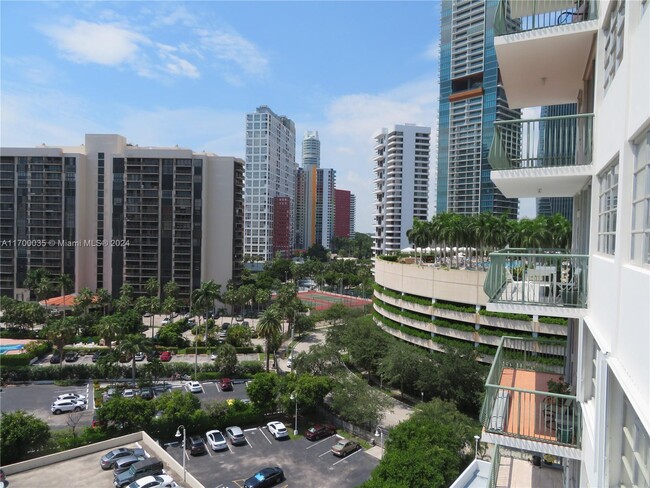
[{"x": 13, "y": 347}]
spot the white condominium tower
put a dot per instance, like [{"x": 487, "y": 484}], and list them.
[
  {"x": 589, "y": 414},
  {"x": 270, "y": 184},
  {"x": 401, "y": 184}
]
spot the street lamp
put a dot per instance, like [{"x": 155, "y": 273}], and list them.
[
  {"x": 178, "y": 434},
  {"x": 476, "y": 439},
  {"x": 380, "y": 433},
  {"x": 294, "y": 397},
  {"x": 422, "y": 393}
]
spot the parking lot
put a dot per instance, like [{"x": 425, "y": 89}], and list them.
[
  {"x": 37, "y": 400},
  {"x": 304, "y": 463}
]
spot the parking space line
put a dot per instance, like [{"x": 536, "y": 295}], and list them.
[
  {"x": 186, "y": 454},
  {"x": 208, "y": 448},
  {"x": 260, "y": 429},
  {"x": 347, "y": 457},
  {"x": 249, "y": 444},
  {"x": 326, "y": 452},
  {"x": 319, "y": 442},
  {"x": 217, "y": 385},
  {"x": 250, "y": 430}
]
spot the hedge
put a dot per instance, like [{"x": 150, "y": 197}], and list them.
[
  {"x": 402, "y": 328},
  {"x": 503, "y": 315},
  {"x": 406, "y": 297},
  {"x": 455, "y": 308},
  {"x": 17, "y": 333},
  {"x": 554, "y": 320},
  {"x": 454, "y": 325},
  {"x": 13, "y": 360}
]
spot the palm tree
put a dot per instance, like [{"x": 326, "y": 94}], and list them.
[
  {"x": 262, "y": 295},
  {"x": 67, "y": 285},
  {"x": 130, "y": 345},
  {"x": 84, "y": 300},
  {"x": 103, "y": 299},
  {"x": 34, "y": 277},
  {"x": 420, "y": 235},
  {"x": 125, "y": 300},
  {"x": 60, "y": 332},
  {"x": 269, "y": 325},
  {"x": 107, "y": 328},
  {"x": 44, "y": 289},
  {"x": 203, "y": 300},
  {"x": 560, "y": 230}
]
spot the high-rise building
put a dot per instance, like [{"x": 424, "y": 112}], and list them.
[
  {"x": 471, "y": 99},
  {"x": 344, "y": 213},
  {"x": 270, "y": 173},
  {"x": 110, "y": 213},
  {"x": 314, "y": 197},
  {"x": 587, "y": 415},
  {"x": 401, "y": 184}
]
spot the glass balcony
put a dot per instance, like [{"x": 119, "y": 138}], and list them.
[
  {"x": 542, "y": 143},
  {"x": 517, "y": 399},
  {"x": 514, "y": 16},
  {"x": 537, "y": 277}
]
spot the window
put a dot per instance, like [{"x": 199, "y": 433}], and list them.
[
  {"x": 635, "y": 450},
  {"x": 613, "y": 31},
  {"x": 607, "y": 205},
  {"x": 640, "y": 252}
]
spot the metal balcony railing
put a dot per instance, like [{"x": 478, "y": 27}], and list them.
[
  {"x": 530, "y": 412},
  {"x": 547, "y": 142},
  {"x": 514, "y": 16},
  {"x": 494, "y": 468},
  {"x": 537, "y": 277}
]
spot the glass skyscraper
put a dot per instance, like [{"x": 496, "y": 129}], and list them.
[{"x": 471, "y": 99}]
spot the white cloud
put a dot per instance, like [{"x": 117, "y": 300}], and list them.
[
  {"x": 90, "y": 42},
  {"x": 233, "y": 48}
]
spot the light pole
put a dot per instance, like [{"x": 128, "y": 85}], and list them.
[
  {"x": 178, "y": 434},
  {"x": 294, "y": 397},
  {"x": 380, "y": 433},
  {"x": 422, "y": 393},
  {"x": 476, "y": 439}
]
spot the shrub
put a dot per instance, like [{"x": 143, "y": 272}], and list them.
[
  {"x": 13, "y": 360},
  {"x": 250, "y": 368},
  {"x": 455, "y": 307},
  {"x": 503, "y": 315},
  {"x": 554, "y": 320}
]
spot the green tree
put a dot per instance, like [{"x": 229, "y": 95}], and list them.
[
  {"x": 24, "y": 314},
  {"x": 263, "y": 391},
  {"x": 321, "y": 359},
  {"x": 60, "y": 332},
  {"x": 107, "y": 328},
  {"x": 353, "y": 400},
  {"x": 129, "y": 346},
  {"x": 433, "y": 445},
  {"x": 34, "y": 277},
  {"x": 130, "y": 414},
  {"x": 318, "y": 252},
  {"x": 21, "y": 433},
  {"x": 239, "y": 335},
  {"x": 226, "y": 360},
  {"x": 66, "y": 285},
  {"x": 125, "y": 300},
  {"x": 83, "y": 300},
  {"x": 310, "y": 390},
  {"x": 176, "y": 408},
  {"x": 104, "y": 299},
  {"x": 401, "y": 365},
  {"x": 269, "y": 325},
  {"x": 203, "y": 299}
]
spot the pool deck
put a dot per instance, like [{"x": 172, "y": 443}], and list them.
[{"x": 13, "y": 342}]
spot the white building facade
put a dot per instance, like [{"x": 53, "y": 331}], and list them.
[
  {"x": 270, "y": 175},
  {"x": 401, "y": 184},
  {"x": 597, "y": 428}
]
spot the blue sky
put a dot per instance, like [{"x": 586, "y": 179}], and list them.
[{"x": 186, "y": 73}]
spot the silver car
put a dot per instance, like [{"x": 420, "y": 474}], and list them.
[
  {"x": 60, "y": 406},
  {"x": 235, "y": 435}
]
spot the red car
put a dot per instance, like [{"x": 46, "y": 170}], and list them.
[
  {"x": 225, "y": 384},
  {"x": 165, "y": 356},
  {"x": 319, "y": 432}
]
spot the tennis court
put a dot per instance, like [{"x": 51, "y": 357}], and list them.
[{"x": 320, "y": 300}]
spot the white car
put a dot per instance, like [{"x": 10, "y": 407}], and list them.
[
  {"x": 277, "y": 430},
  {"x": 128, "y": 393},
  {"x": 72, "y": 396},
  {"x": 60, "y": 406},
  {"x": 216, "y": 440},
  {"x": 194, "y": 387},
  {"x": 159, "y": 481},
  {"x": 290, "y": 362},
  {"x": 139, "y": 356},
  {"x": 166, "y": 321}
]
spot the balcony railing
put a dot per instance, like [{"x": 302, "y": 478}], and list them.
[
  {"x": 517, "y": 403},
  {"x": 514, "y": 16},
  {"x": 547, "y": 142},
  {"x": 542, "y": 277},
  {"x": 494, "y": 468}
]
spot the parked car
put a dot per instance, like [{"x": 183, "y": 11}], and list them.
[
  {"x": 290, "y": 362},
  {"x": 225, "y": 326},
  {"x": 165, "y": 356},
  {"x": 319, "y": 431},
  {"x": 166, "y": 321},
  {"x": 147, "y": 393},
  {"x": 265, "y": 477},
  {"x": 149, "y": 467},
  {"x": 72, "y": 396},
  {"x": 216, "y": 440},
  {"x": 344, "y": 447},
  {"x": 98, "y": 355},
  {"x": 108, "y": 460},
  {"x": 196, "y": 445},
  {"x": 128, "y": 393},
  {"x": 60, "y": 406},
  {"x": 153, "y": 355},
  {"x": 191, "y": 322},
  {"x": 160, "y": 481},
  {"x": 277, "y": 430},
  {"x": 125, "y": 463},
  {"x": 139, "y": 356},
  {"x": 96, "y": 423},
  {"x": 55, "y": 359},
  {"x": 235, "y": 435},
  {"x": 225, "y": 384},
  {"x": 194, "y": 387},
  {"x": 71, "y": 357}
]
